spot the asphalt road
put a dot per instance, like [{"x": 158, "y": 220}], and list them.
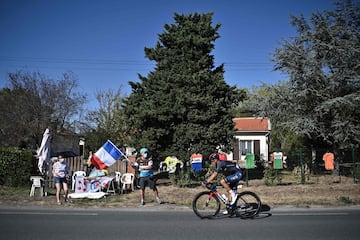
[{"x": 154, "y": 223}]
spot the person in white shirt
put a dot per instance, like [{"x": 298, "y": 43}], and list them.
[{"x": 60, "y": 172}]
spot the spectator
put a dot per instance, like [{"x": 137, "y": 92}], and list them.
[
  {"x": 60, "y": 172},
  {"x": 145, "y": 165}
]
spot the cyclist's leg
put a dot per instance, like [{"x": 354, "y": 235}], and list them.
[
  {"x": 231, "y": 182},
  {"x": 234, "y": 180},
  {"x": 225, "y": 184}
]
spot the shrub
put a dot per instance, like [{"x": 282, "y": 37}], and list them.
[
  {"x": 272, "y": 176},
  {"x": 15, "y": 166},
  {"x": 345, "y": 200}
]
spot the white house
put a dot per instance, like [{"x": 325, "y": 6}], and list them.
[{"x": 252, "y": 136}]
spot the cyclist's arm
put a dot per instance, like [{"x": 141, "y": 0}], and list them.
[
  {"x": 216, "y": 172},
  {"x": 212, "y": 177}
]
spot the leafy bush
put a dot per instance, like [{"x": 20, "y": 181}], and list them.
[
  {"x": 15, "y": 166},
  {"x": 345, "y": 200},
  {"x": 302, "y": 174},
  {"x": 272, "y": 176},
  {"x": 180, "y": 179}
]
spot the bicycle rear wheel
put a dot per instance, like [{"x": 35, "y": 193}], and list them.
[
  {"x": 206, "y": 205},
  {"x": 247, "y": 204}
]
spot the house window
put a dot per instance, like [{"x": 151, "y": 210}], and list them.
[{"x": 246, "y": 146}]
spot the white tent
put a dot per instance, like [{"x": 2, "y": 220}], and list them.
[{"x": 43, "y": 153}]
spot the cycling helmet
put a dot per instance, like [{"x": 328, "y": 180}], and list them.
[
  {"x": 214, "y": 156},
  {"x": 143, "y": 150}
]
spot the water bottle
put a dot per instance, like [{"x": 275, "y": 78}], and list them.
[{"x": 225, "y": 198}]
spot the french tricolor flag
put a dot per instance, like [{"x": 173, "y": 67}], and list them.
[{"x": 106, "y": 156}]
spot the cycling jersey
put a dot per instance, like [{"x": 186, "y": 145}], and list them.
[{"x": 227, "y": 168}]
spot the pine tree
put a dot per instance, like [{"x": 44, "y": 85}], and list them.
[{"x": 185, "y": 102}]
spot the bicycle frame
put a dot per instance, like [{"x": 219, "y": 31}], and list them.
[{"x": 214, "y": 191}]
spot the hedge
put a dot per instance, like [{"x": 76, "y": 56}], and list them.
[{"x": 15, "y": 166}]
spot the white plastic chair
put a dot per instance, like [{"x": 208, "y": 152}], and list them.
[
  {"x": 73, "y": 179},
  {"x": 118, "y": 180},
  {"x": 127, "y": 179},
  {"x": 37, "y": 182}
]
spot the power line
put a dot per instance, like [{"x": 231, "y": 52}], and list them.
[
  {"x": 117, "y": 65},
  {"x": 79, "y": 64},
  {"x": 72, "y": 60}
]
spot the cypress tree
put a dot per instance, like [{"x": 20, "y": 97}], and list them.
[{"x": 184, "y": 103}]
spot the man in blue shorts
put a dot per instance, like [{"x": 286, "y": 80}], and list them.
[{"x": 232, "y": 173}]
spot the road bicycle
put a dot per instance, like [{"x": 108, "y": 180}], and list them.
[{"x": 207, "y": 204}]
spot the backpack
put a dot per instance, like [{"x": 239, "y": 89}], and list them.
[{"x": 222, "y": 157}]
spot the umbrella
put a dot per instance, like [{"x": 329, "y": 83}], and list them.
[{"x": 43, "y": 152}]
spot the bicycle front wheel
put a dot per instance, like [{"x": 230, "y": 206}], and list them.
[
  {"x": 248, "y": 205},
  {"x": 206, "y": 205}
]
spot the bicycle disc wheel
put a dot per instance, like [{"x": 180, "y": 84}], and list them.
[
  {"x": 206, "y": 206},
  {"x": 248, "y": 205}
]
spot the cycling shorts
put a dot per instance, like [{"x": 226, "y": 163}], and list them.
[{"x": 234, "y": 178}]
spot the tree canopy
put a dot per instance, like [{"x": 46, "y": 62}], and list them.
[
  {"x": 33, "y": 102},
  {"x": 185, "y": 102},
  {"x": 107, "y": 122},
  {"x": 323, "y": 65}
]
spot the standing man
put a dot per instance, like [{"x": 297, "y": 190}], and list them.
[
  {"x": 60, "y": 172},
  {"x": 145, "y": 164}
]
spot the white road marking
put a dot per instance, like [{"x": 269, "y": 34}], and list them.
[
  {"x": 49, "y": 213},
  {"x": 311, "y": 214}
]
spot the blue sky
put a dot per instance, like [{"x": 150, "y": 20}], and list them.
[{"x": 103, "y": 42}]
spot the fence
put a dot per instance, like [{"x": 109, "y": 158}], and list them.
[
  {"x": 346, "y": 161},
  {"x": 80, "y": 164}
]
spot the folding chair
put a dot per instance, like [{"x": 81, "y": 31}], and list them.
[
  {"x": 110, "y": 186},
  {"x": 118, "y": 180},
  {"x": 127, "y": 179},
  {"x": 37, "y": 182}
]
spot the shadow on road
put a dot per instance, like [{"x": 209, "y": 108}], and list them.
[{"x": 264, "y": 213}]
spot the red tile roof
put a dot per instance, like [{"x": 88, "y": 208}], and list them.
[{"x": 252, "y": 124}]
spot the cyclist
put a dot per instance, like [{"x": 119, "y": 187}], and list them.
[{"x": 232, "y": 172}]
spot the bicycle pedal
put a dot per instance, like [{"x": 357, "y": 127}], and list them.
[{"x": 230, "y": 206}]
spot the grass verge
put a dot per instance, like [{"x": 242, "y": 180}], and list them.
[{"x": 318, "y": 190}]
